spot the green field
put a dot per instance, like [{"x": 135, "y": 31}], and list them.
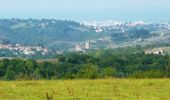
[{"x": 102, "y": 89}]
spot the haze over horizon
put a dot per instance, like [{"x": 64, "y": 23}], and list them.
[{"x": 87, "y": 10}]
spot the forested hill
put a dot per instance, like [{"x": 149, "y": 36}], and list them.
[
  {"x": 47, "y": 32},
  {"x": 65, "y": 35}
]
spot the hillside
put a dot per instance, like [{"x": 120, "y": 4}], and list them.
[
  {"x": 65, "y": 35},
  {"x": 50, "y": 33}
]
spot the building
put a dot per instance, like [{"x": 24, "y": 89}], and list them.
[
  {"x": 155, "y": 51},
  {"x": 27, "y": 52},
  {"x": 87, "y": 45},
  {"x": 78, "y": 48}
]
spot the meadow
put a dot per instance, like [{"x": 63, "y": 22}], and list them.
[{"x": 100, "y": 89}]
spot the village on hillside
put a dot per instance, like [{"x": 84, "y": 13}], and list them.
[{"x": 27, "y": 50}]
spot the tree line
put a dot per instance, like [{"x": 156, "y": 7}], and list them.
[{"x": 123, "y": 63}]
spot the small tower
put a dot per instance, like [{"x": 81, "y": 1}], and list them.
[{"x": 87, "y": 45}]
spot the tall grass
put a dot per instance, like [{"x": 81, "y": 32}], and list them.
[{"x": 101, "y": 89}]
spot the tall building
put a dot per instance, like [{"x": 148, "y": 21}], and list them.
[{"x": 87, "y": 45}]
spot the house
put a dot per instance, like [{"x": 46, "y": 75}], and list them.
[{"x": 156, "y": 51}]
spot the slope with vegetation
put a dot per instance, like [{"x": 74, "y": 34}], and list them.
[
  {"x": 64, "y": 34},
  {"x": 50, "y": 33}
]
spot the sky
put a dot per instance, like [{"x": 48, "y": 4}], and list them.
[{"x": 87, "y": 10}]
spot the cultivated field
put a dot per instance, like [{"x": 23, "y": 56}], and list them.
[{"x": 103, "y": 89}]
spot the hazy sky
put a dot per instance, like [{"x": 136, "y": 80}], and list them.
[{"x": 81, "y": 10}]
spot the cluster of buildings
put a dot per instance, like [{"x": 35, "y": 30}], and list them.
[
  {"x": 27, "y": 50},
  {"x": 109, "y": 23},
  {"x": 100, "y": 26},
  {"x": 82, "y": 47},
  {"x": 157, "y": 51}
]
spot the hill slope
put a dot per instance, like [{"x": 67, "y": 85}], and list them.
[{"x": 49, "y": 33}]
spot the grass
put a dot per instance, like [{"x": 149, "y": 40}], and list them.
[
  {"x": 47, "y": 60},
  {"x": 102, "y": 89}
]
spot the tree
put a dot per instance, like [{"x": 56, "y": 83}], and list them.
[
  {"x": 109, "y": 72},
  {"x": 10, "y": 74},
  {"x": 89, "y": 71}
]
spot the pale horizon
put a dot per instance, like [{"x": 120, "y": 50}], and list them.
[{"x": 129, "y": 10}]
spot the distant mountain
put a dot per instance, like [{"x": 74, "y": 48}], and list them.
[{"x": 56, "y": 34}]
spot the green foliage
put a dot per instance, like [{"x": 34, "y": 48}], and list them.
[
  {"x": 120, "y": 63},
  {"x": 149, "y": 74},
  {"x": 86, "y": 89},
  {"x": 133, "y": 33},
  {"x": 58, "y": 33},
  {"x": 109, "y": 72},
  {"x": 89, "y": 71}
]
